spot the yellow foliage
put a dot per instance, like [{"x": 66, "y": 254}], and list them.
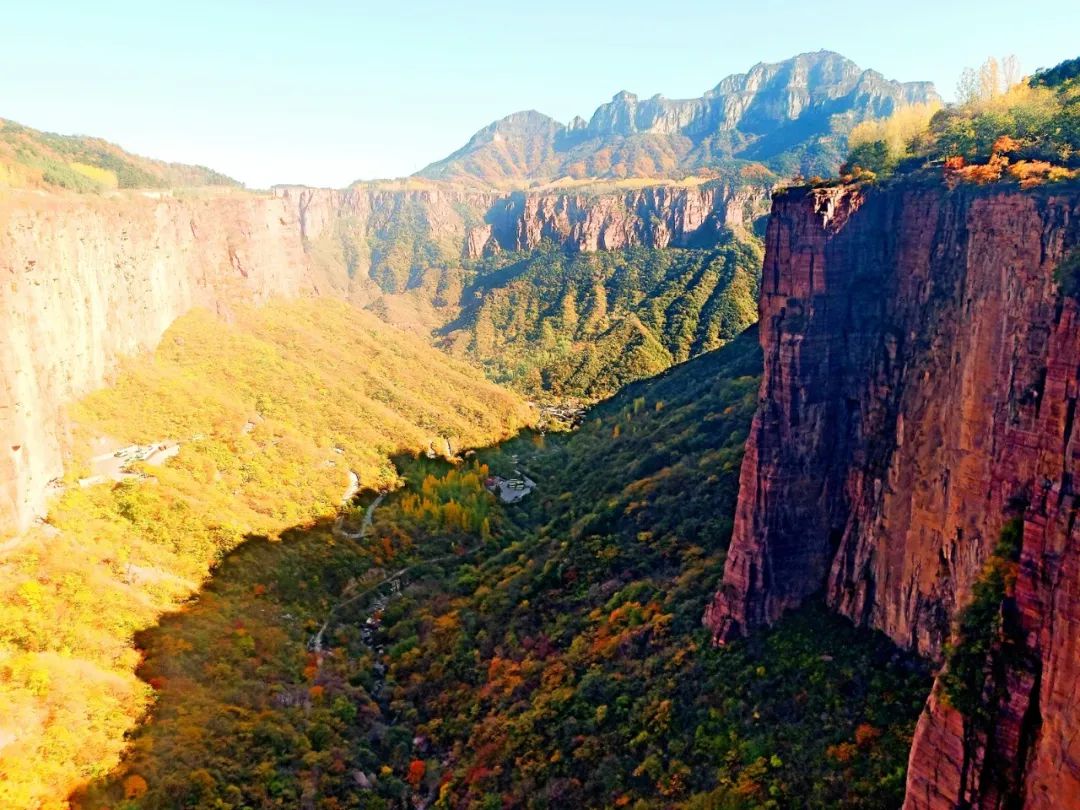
[
  {"x": 103, "y": 176},
  {"x": 897, "y": 130},
  {"x": 271, "y": 410}
]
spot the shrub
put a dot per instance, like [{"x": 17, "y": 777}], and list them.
[{"x": 1067, "y": 274}]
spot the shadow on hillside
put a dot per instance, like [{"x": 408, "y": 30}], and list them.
[
  {"x": 235, "y": 658},
  {"x": 625, "y": 535}
]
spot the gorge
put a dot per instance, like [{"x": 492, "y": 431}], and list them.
[{"x": 801, "y": 524}]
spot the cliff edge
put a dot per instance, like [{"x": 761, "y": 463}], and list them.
[
  {"x": 88, "y": 280},
  {"x": 922, "y": 369}
]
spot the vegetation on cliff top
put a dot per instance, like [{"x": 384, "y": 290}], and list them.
[
  {"x": 272, "y": 411},
  {"x": 1024, "y": 131},
  {"x": 30, "y": 158}
]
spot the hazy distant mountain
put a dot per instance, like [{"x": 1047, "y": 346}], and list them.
[
  {"x": 792, "y": 116},
  {"x": 30, "y": 158}
]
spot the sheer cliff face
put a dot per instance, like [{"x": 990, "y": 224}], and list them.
[
  {"x": 920, "y": 385},
  {"x": 453, "y": 225},
  {"x": 88, "y": 280}
]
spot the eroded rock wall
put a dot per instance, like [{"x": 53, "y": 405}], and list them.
[
  {"x": 462, "y": 225},
  {"x": 88, "y": 280},
  {"x": 920, "y": 388}
]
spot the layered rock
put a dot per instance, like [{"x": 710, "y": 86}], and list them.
[
  {"x": 433, "y": 224},
  {"x": 921, "y": 379},
  {"x": 88, "y": 280},
  {"x": 91, "y": 279}
]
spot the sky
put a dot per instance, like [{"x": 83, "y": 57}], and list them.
[{"x": 325, "y": 92}]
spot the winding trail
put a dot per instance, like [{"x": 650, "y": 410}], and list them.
[
  {"x": 394, "y": 579},
  {"x": 365, "y": 526}
]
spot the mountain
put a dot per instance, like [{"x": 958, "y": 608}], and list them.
[
  {"x": 569, "y": 293},
  {"x": 791, "y": 116},
  {"x": 915, "y": 455},
  {"x": 30, "y": 158}
]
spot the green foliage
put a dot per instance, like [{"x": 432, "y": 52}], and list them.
[
  {"x": 1058, "y": 75},
  {"x": 1029, "y": 132},
  {"x": 873, "y": 157},
  {"x": 979, "y": 633},
  {"x": 584, "y": 325},
  {"x": 271, "y": 411},
  {"x": 561, "y": 663},
  {"x": 30, "y": 158},
  {"x": 1067, "y": 274}
]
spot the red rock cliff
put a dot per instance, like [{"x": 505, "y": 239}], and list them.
[{"x": 921, "y": 380}]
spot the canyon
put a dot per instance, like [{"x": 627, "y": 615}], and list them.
[
  {"x": 922, "y": 370},
  {"x": 92, "y": 279}
]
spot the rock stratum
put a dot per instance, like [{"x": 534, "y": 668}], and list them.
[
  {"x": 922, "y": 370},
  {"x": 392, "y": 235},
  {"x": 90, "y": 279}
]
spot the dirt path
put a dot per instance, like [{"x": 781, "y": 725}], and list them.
[
  {"x": 394, "y": 580},
  {"x": 369, "y": 516}
]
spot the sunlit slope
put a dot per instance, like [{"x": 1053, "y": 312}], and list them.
[
  {"x": 30, "y": 158},
  {"x": 272, "y": 409}
]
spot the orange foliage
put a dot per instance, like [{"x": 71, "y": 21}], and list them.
[
  {"x": 417, "y": 769},
  {"x": 1035, "y": 172},
  {"x": 866, "y": 735},
  {"x": 135, "y": 787},
  {"x": 1005, "y": 144},
  {"x": 842, "y": 753}
]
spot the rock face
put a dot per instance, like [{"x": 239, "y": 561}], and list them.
[
  {"x": 91, "y": 279},
  {"x": 396, "y": 235},
  {"x": 88, "y": 280},
  {"x": 922, "y": 372}
]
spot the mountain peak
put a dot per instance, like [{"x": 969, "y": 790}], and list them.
[{"x": 786, "y": 114}]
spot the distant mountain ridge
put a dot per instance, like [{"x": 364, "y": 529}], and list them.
[
  {"x": 30, "y": 158},
  {"x": 791, "y": 116}
]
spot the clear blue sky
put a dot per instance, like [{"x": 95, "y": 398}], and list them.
[{"x": 328, "y": 91}]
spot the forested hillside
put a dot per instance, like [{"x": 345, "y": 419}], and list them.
[
  {"x": 274, "y": 416},
  {"x": 30, "y": 158},
  {"x": 547, "y": 654},
  {"x": 584, "y": 325}
]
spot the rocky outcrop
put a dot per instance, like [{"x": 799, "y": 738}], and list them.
[
  {"x": 396, "y": 234},
  {"x": 922, "y": 372},
  {"x": 91, "y": 279},
  {"x": 88, "y": 280}
]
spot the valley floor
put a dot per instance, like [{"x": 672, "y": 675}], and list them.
[{"x": 542, "y": 654}]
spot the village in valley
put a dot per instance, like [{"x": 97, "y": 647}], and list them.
[{"x": 510, "y": 490}]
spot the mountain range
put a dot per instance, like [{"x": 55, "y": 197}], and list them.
[{"x": 792, "y": 116}]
